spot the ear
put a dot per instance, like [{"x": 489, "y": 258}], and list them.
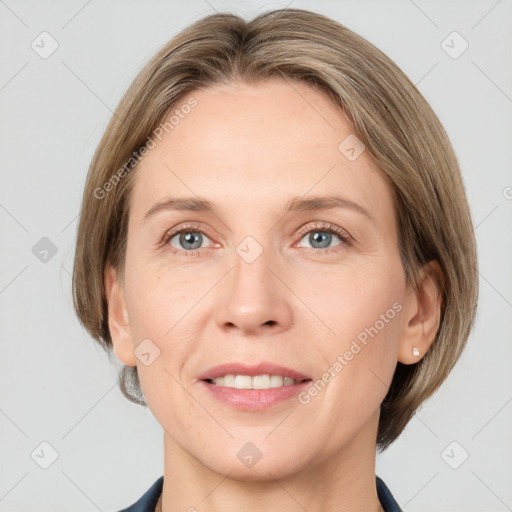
[
  {"x": 118, "y": 321},
  {"x": 422, "y": 314}
]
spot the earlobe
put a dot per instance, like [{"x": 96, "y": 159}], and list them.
[
  {"x": 118, "y": 320},
  {"x": 422, "y": 314}
]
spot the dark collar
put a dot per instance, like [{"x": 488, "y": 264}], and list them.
[
  {"x": 147, "y": 502},
  {"x": 386, "y": 499}
]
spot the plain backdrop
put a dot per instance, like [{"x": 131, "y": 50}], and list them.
[{"x": 58, "y": 388}]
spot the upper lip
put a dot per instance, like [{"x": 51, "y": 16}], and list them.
[{"x": 263, "y": 368}]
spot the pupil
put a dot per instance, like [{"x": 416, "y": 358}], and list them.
[{"x": 191, "y": 238}]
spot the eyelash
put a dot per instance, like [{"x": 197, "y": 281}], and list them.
[{"x": 325, "y": 227}]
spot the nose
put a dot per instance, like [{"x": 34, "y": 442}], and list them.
[{"x": 253, "y": 299}]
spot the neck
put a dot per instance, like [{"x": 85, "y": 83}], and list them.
[{"x": 345, "y": 481}]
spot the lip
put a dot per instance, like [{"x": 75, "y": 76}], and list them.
[
  {"x": 253, "y": 399},
  {"x": 263, "y": 368}
]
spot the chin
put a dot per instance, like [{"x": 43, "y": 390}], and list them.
[{"x": 249, "y": 463}]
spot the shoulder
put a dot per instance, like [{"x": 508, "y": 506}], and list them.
[
  {"x": 147, "y": 502},
  {"x": 386, "y": 499}
]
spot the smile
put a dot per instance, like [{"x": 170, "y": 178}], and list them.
[{"x": 253, "y": 382}]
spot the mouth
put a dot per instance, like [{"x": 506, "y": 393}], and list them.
[
  {"x": 255, "y": 387},
  {"x": 265, "y": 381}
]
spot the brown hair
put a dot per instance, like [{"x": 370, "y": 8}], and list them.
[{"x": 390, "y": 116}]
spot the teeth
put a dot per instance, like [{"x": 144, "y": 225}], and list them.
[{"x": 256, "y": 382}]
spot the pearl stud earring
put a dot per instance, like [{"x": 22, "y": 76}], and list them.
[{"x": 415, "y": 351}]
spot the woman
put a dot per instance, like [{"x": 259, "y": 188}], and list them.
[{"x": 276, "y": 243}]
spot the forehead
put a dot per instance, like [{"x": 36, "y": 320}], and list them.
[{"x": 250, "y": 144}]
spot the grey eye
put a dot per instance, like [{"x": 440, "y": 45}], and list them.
[
  {"x": 320, "y": 239},
  {"x": 188, "y": 240}
]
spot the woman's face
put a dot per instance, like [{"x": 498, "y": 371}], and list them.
[{"x": 294, "y": 264}]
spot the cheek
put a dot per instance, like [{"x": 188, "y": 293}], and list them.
[
  {"x": 363, "y": 310},
  {"x": 160, "y": 297},
  {"x": 358, "y": 302},
  {"x": 165, "y": 320}
]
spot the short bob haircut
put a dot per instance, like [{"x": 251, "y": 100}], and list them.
[{"x": 389, "y": 115}]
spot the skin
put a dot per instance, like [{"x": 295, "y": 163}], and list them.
[{"x": 249, "y": 149}]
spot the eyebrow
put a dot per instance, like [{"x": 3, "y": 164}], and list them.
[{"x": 295, "y": 204}]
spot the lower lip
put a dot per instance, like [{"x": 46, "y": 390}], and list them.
[{"x": 254, "y": 399}]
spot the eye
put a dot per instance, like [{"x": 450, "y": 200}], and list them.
[
  {"x": 187, "y": 239},
  {"x": 322, "y": 236}
]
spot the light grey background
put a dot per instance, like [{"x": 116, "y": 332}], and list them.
[{"x": 58, "y": 386}]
